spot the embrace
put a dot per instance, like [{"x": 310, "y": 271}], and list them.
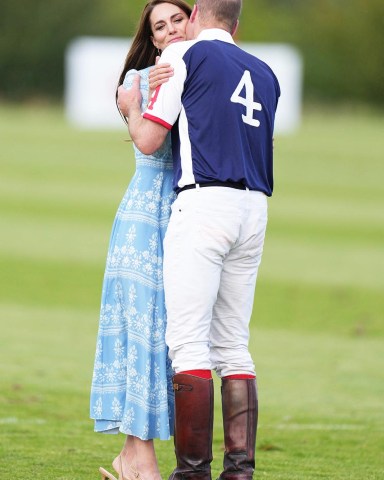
[{"x": 186, "y": 244}]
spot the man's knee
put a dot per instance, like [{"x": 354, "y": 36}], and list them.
[{"x": 229, "y": 362}]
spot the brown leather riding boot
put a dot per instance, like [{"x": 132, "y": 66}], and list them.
[
  {"x": 240, "y": 411},
  {"x": 193, "y": 427}
]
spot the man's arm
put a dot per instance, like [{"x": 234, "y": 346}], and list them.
[{"x": 147, "y": 135}]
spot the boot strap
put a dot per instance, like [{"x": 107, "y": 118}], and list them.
[{"x": 182, "y": 387}]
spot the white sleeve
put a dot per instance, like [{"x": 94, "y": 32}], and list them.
[{"x": 165, "y": 104}]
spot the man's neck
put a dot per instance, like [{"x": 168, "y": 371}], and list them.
[{"x": 210, "y": 27}]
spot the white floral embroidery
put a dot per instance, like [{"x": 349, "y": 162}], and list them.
[
  {"x": 98, "y": 408},
  {"x": 128, "y": 418},
  {"x": 119, "y": 349},
  {"x": 116, "y": 408}
]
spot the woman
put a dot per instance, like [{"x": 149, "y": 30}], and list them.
[{"x": 132, "y": 387}]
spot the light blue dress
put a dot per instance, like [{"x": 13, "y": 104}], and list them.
[{"x": 132, "y": 380}]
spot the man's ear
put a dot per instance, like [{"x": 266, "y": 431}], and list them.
[
  {"x": 192, "y": 18},
  {"x": 236, "y": 26}
]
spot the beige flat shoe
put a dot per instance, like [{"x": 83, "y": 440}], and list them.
[
  {"x": 132, "y": 473},
  {"x": 105, "y": 475}
]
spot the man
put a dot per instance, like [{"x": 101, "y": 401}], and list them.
[{"x": 220, "y": 105}]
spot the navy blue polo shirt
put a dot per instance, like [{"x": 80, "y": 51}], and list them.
[{"x": 220, "y": 105}]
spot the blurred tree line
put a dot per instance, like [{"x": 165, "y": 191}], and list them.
[{"x": 341, "y": 41}]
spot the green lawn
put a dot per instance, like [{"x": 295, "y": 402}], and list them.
[{"x": 318, "y": 323}]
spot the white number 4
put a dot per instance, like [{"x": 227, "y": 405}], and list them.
[{"x": 248, "y": 102}]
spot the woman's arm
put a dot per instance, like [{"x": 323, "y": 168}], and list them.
[
  {"x": 147, "y": 135},
  {"x": 159, "y": 74}
]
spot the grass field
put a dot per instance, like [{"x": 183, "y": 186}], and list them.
[{"x": 318, "y": 322}]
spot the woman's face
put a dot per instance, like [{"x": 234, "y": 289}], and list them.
[{"x": 168, "y": 25}]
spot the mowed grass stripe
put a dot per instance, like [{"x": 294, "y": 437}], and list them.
[
  {"x": 54, "y": 239},
  {"x": 315, "y": 261},
  {"x": 314, "y": 256},
  {"x": 296, "y": 306},
  {"x": 51, "y": 283},
  {"x": 305, "y": 307}
]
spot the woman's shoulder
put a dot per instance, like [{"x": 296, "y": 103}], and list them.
[
  {"x": 144, "y": 73},
  {"x": 144, "y": 83}
]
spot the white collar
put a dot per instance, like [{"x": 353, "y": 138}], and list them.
[{"x": 215, "y": 34}]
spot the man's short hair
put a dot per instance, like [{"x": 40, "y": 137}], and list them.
[{"x": 223, "y": 11}]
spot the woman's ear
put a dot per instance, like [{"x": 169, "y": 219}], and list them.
[{"x": 155, "y": 44}]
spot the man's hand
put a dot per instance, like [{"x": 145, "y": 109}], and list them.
[{"x": 129, "y": 101}]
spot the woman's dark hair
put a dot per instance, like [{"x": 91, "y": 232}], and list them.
[{"x": 142, "y": 53}]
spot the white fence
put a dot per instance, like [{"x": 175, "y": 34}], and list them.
[{"x": 93, "y": 66}]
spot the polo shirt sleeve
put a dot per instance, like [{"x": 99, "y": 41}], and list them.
[{"x": 165, "y": 104}]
